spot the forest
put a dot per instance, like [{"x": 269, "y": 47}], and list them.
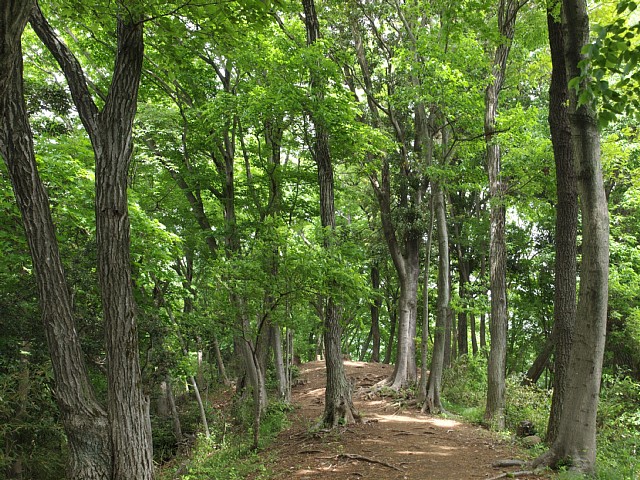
[{"x": 197, "y": 198}]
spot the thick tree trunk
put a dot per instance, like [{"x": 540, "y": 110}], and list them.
[
  {"x": 566, "y": 222},
  {"x": 110, "y": 132},
  {"x": 575, "y": 442},
  {"x": 85, "y": 421},
  {"x": 494, "y": 413},
  {"x": 338, "y": 403},
  {"x": 433, "y": 402}
]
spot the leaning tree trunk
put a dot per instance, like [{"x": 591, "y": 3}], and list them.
[
  {"x": 110, "y": 132},
  {"x": 433, "y": 403},
  {"x": 84, "y": 420},
  {"x": 575, "y": 443},
  {"x": 566, "y": 223},
  {"x": 494, "y": 413}
]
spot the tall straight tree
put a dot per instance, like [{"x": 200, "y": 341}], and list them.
[
  {"x": 401, "y": 219},
  {"x": 338, "y": 404},
  {"x": 110, "y": 132},
  {"x": 84, "y": 419},
  {"x": 494, "y": 413},
  {"x": 564, "y": 311},
  {"x": 575, "y": 442}
]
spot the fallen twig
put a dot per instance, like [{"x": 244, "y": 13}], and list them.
[{"x": 352, "y": 456}]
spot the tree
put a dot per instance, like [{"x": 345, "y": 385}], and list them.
[
  {"x": 433, "y": 403},
  {"x": 338, "y": 405},
  {"x": 575, "y": 442},
  {"x": 564, "y": 311},
  {"x": 494, "y": 413},
  {"x": 84, "y": 419},
  {"x": 110, "y": 132}
]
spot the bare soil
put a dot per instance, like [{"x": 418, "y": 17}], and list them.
[{"x": 395, "y": 441}]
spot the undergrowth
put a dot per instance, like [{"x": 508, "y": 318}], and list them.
[
  {"x": 228, "y": 453},
  {"x": 464, "y": 392}
]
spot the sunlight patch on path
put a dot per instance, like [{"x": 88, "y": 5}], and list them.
[{"x": 438, "y": 422}]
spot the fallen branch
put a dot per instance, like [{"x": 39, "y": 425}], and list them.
[
  {"x": 352, "y": 456},
  {"x": 514, "y": 474},
  {"x": 508, "y": 463}
]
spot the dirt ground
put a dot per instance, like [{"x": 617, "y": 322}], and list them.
[{"x": 394, "y": 442}]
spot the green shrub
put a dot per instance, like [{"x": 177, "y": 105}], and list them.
[
  {"x": 465, "y": 383},
  {"x": 527, "y": 403},
  {"x": 619, "y": 428}
]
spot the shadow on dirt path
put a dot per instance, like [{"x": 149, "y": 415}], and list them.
[{"x": 394, "y": 442}]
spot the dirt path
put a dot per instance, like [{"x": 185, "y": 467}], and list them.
[{"x": 393, "y": 443}]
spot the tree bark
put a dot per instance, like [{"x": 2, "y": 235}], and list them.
[
  {"x": 84, "y": 420},
  {"x": 566, "y": 222},
  {"x": 575, "y": 443},
  {"x": 494, "y": 413},
  {"x": 338, "y": 403}
]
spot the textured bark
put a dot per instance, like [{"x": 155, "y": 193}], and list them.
[
  {"x": 433, "y": 402},
  {"x": 83, "y": 418},
  {"x": 566, "y": 222},
  {"x": 575, "y": 443},
  {"x": 110, "y": 132},
  {"x": 494, "y": 413},
  {"x": 338, "y": 403}
]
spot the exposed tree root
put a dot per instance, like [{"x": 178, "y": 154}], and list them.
[
  {"x": 353, "y": 456},
  {"x": 521, "y": 473},
  {"x": 508, "y": 463}
]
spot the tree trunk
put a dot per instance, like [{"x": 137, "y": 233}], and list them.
[
  {"x": 84, "y": 420},
  {"x": 375, "y": 315},
  {"x": 494, "y": 413},
  {"x": 433, "y": 402},
  {"x": 474, "y": 339},
  {"x": 222, "y": 371},
  {"x": 424, "y": 347},
  {"x": 338, "y": 403},
  {"x": 177, "y": 426},
  {"x": 393, "y": 319},
  {"x": 575, "y": 443},
  {"x": 539, "y": 364},
  {"x": 110, "y": 132},
  {"x": 566, "y": 222},
  {"x": 284, "y": 388}
]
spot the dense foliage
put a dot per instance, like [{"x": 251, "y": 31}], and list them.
[{"x": 226, "y": 240}]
